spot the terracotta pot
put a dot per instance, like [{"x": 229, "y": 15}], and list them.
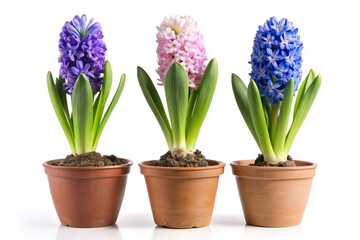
[
  {"x": 273, "y": 196},
  {"x": 87, "y": 196},
  {"x": 182, "y": 197}
]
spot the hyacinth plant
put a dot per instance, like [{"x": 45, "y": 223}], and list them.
[
  {"x": 266, "y": 104},
  {"x": 188, "y": 82},
  {"x": 85, "y": 78}
]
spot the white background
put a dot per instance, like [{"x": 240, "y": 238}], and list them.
[{"x": 30, "y": 133}]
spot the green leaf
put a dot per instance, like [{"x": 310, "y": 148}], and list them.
[
  {"x": 304, "y": 106},
  {"x": 271, "y": 117},
  {"x": 303, "y": 88},
  {"x": 153, "y": 99},
  {"x": 200, "y": 107},
  {"x": 267, "y": 111},
  {"x": 109, "y": 110},
  {"x": 101, "y": 100},
  {"x": 62, "y": 95},
  {"x": 96, "y": 103},
  {"x": 241, "y": 97},
  {"x": 82, "y": 107},
  {"x": 258, "y": 117},
  {"x": 177, "y": 92},
  {"x": 59, "y": 110},
  {"x": 283, "y": 121},
  {"x": 191, "y": 104}
]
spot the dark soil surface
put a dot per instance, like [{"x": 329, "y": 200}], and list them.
[
  {"x": 90, "y": 159},
  {"x": 260, "y": 162},
  {"x": 195, "y": 159}
]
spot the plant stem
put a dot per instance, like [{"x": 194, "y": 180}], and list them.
[{"x": 179, "y": 152}]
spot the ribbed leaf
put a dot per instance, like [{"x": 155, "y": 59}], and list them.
[
  {"x": 82, "y": 108},
  {"x": 267, "y": 111},
  {"x": 283, "y": 121},
  {"x": 62, "y": 95},
  {"x": 273, "y": 111},
  {"x": 205, "y": 93},
  {"x": 191, "y": 104},
  {"x": 241, "y": 97},
  {"x": 109, "y": 110},
  {"x": 96, "y": 103},
  {"x": 177, "y": 92},
  {"x": 303, "y": 88},
  {"x": 153, "y": 99},
  {"x": 258, "y": 117},
  {"x": 60, "y": 113},
  {"x": 102, "y": 98},
  {"x": 304, "y": 106}
]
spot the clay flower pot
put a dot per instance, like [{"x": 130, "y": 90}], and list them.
[
  {"x": 87, "y": 196},
  {"x": 182, "y": 197},
  {"x": 273, "y": 196}
]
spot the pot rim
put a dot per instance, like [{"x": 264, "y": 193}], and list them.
[
  {"x": 303, "y": 169},
  {"x": 302, "y": 164},
  {"x": 89, "y": 168},
  {"x": 215, "y": 169},
  {"x": 213, "y": 164}
]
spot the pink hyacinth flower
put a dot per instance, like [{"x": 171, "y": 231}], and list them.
[{"x": 179, "y": 40}]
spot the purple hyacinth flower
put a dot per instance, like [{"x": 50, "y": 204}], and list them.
[
  {"x": 276, "y": 58},
  {"x": 82, "y": 50}
]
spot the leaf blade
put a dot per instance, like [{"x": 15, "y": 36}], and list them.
[
  {"x": 62, "y": 95},
  {"x": 303, "y": 88},
  {"x": 283, "y": 121},
  {"x": 59, "y": 111},
  {"x": 82, "y": 107},
  {"x": 201, "y": 106},
  {"x": 304, "y": 107},
  {"x": 241, "y": 97},
  {"x": 154, "y": 101},
  {"x": 259, "y": 121},
  {"x": 176, "y": 92},
  {"x": 100, "y": 102},
  {"x": 109, "y": 110}
]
